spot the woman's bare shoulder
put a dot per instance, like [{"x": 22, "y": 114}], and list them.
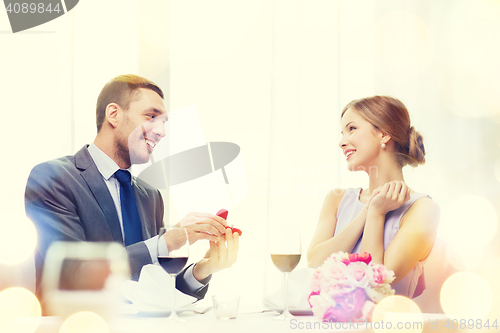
[
  {"x": 425, "y": 203},
  {"x": 334, "y": 196},
  {"x": 425, "y": 210},
  {"x": 331, "y": 203}
]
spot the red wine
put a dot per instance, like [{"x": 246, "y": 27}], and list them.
[
  {"x": 285, "y": 262},
  {"x": 173, "y": 265}
]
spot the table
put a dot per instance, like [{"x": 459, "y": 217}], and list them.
[{"x": 245, "y": 322}]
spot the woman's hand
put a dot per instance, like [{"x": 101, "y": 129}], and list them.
[
  {"x": 389, "y": 197},
  {"x": 374, "y": 193}
]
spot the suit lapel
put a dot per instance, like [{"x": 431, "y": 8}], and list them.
[{"x": 94, "y": 180}]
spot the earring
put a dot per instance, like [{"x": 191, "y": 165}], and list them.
[{"x": 383, "y": 146}]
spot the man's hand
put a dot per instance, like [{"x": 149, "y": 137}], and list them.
[
  {"x": 203, "y": 226},
  {"x": 222, "y": 254}
]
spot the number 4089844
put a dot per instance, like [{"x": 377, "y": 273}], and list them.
[
  {"x": 32, "y": 8},
  {"x": 470, "y": 324}
]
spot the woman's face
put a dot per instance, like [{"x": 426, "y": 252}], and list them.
[{"x": 360, "y": 141}]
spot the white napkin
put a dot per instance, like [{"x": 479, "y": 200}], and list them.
[
  {"x": 299, "y": 288},
  {"x": 153, "y": 291}
]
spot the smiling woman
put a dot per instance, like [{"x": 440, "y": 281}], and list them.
[
  {"x": 391, "y": 117},
  {"x": 389, "y": 220}
]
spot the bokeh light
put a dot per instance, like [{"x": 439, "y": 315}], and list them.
[
  {"x": 20, "y": 311},
  {"x": 83, "y": 322},
  {"x": 399, "y": 314},
  {"x": 468, "y": 222},
  {"x": 405, "y": 46},
  {"x": 17, "y": 240},
  {"x": 466, "y": 295}
]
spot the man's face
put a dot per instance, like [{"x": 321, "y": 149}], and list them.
[{"x": 142, "y": 127}]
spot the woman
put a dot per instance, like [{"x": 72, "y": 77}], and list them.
[{"x": 392, "y": 222}]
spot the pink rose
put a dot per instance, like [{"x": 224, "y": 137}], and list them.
[
  {"x": 333, "y": 270},
  {"x": 379, "y": 293},
  {"x": 317, "y": 280},
  {"x": 347, "y": 287},
  {"x": 381, "y": 275},
  {"x": 320, "y": 303},
  {"x": 334, "y": 288},
  {"x": 349, "y": 307},
  {"x": 339, "y": 257},
  {"x": 346, "y": 261},
  {"x": 314, "y": 293},
  {"x": 364, "y": 257},
  {"x": 359, "y": 274}
]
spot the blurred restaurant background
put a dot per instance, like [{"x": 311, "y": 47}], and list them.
[{"x": 273, "y": 77}]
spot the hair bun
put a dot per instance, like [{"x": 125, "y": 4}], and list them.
[{"x": 416, "y": 151}]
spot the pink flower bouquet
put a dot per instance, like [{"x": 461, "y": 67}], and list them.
[{"x": 347, "y": 287}]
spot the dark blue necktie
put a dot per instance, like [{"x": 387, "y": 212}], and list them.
[{"x": 130, "y": 212}]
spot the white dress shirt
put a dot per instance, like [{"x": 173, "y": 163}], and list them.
[{"x": 107, "y": 167}]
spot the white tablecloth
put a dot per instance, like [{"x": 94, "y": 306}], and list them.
[{"x": 245, "y": 322}]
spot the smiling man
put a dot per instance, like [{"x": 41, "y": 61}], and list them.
[{"x": 91, "y": 196}]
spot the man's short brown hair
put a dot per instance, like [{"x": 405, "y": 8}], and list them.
[{"x": 122, "y": 90}]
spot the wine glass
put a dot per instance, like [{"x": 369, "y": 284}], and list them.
[
  {"x": 175, "y": 260},
  {"x": 286, "y": 249}
]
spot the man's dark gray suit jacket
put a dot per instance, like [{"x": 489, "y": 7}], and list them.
[{"x": 68, "y": 200}]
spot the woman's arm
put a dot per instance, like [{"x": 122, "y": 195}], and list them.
[
  {"x": 416, "y": 234},
  {"x": 324, "y": 242}
]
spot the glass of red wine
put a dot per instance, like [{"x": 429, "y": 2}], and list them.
[
  {"x": 286, "y": 250},
  {"x": 173, "y": 263}
]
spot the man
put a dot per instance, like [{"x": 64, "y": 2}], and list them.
[{"x": 92, "y": 197}]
